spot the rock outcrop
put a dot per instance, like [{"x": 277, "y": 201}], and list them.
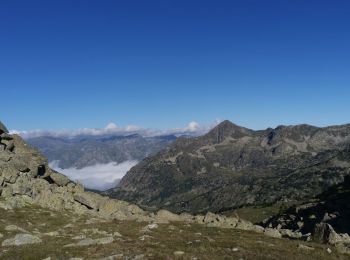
[
  {"x": 25, "y": 178},
  {"x": 323, "y": 219},
  {"x": 232, "y": 167}
]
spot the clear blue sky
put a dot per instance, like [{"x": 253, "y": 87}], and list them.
[{"x": 161, "y": 64}]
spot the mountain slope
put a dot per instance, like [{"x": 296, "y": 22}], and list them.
[
  {"x": 80, "y": 152},
  {"x": 331, "y": 207},
  {"x": 232, "y": 166}
]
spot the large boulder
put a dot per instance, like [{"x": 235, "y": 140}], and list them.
[
  {"x": 3, "y": 128},
  {"x": 271, "y": 232},
  {"x": 21, "y": 239},
  {"x": 165, "y": 216},
  {"x": 59, "y": 179},
  {"x": 325, "y": 233},
  {"x": 8, "y": 173},
  {"x": 89, "y": 199}
]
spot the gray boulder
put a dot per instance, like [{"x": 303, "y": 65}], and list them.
[
  {"x": 89, "y": 199},
  {"x": 325, "y": 233},
  {"x": 90, "y": 241},
  {"x": 271, "y": 232},
  {"x": 59, "y": 179},
  {"x": 3, "y": 128},
  {"x": 21, "y": 239}
]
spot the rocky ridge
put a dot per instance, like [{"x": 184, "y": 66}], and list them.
[{"x": 232, "y": 167}]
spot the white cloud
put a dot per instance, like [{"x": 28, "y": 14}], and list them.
[
  {"x": 111, "y": 126},
  {"x": 193, "y": 128},
  {"x": 99, "y": 176}
]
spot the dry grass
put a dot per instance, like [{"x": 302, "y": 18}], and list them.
[{"x": 196, "y": 241}]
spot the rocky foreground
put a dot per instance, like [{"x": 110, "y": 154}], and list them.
[
  {"x": 44, "y": 214},
  {"x": 326, "y": 217},
  {"x": 34, "y": 232}
]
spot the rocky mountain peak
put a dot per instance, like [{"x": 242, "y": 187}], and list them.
[{"x": 228, "y": 129}]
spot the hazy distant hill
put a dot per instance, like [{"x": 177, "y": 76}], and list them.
[
  {"x": 233, "y": 166},
  {"x": 83, "y": 151}
]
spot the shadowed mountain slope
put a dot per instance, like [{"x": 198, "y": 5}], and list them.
[{"x": 331, "y": 207}]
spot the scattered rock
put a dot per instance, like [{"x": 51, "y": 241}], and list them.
[
  {"x": 12, "y": 228},
  {"x": 143, "y": 238},
  {"x": 79, "y": 237},
  {"x": 303, "y": 247},
  {"x": 152, "y": 226},
  {"x": 68, "y": 225},
  {"x": 114, "y": 257},
  {"x": 52, "y": 234},
  {"x": 90, "y": 241},
  {"x": 179, "y": 253},
  {"x": 21, "y": 239},
  {"x": 290, "y": 234},
  {"x": 149, "y": 227},
  {"x": 117, "y": 234},
  {"x": 272, "y": 233}
]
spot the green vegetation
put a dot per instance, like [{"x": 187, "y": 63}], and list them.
[{"x": 256, "y": 214}]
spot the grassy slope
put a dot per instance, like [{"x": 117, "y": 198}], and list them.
[
  {"x": 257, "y": 214},
  {"x": 198, "y": 242}
]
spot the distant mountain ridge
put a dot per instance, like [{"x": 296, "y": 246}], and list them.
[
  {"x": 233, "y": 166},
  {"x": 82, "y": 151}
]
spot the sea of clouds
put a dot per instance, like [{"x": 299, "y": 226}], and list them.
[
  {"x": 99, "y": 176},
  {"x": 106, "y": 176}
]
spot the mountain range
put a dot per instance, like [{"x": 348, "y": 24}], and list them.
[
  {"x": 45, "y": 215},
  {"x": 88, "y": 150},
  {"x": 232, "y": 167}
]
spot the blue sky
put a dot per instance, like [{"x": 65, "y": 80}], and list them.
[{"x": 161, "y": 64}]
